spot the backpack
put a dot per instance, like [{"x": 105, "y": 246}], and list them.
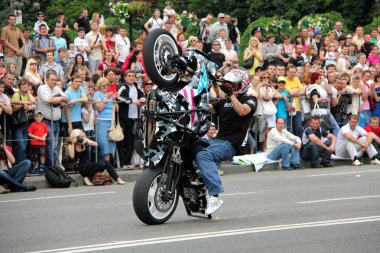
[
  {"x": 101, "y": 178},
  {"x": 57, "y": 178}
]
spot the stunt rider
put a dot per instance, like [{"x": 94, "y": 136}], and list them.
[{"x": 235, "y": 117}]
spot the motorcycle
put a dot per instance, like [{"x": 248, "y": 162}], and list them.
[{"x": 170, "y": 139}]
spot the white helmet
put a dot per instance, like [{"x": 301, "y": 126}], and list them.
[{"x": 240, "y": 77}]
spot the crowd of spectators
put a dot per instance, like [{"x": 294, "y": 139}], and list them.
[{"x": 46, "y": 79}]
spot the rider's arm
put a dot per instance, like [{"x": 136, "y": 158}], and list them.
[{"x": 240, "y": 109}]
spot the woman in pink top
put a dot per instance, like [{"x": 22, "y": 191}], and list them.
[{"x": 374, "y": 56}]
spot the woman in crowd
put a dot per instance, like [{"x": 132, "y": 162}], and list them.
[
  {"x": 104, "y": 102},
  {"x": 182, "y": 42},
  {"x": 324, "y": 48},
  {"x": 31, "y": 72},
  {"x": 298, "y": 40},
  {"x": 341, "y": 41},
  {"x": 78, "y": 152},
  {"x": 366, "y": 110},
  {"x": 95, "y": 17},
  {"x": 286, "y": 49},
  {"x": 331, "y": 35},
  {"x": 79, "y": 60},
  {"x": 357, "y": 96},
  {"x": 192, "y": 42},
  {"x": 253, "y": 50},
  {"x": 154, "y": 22},
  {"x": 110, "y": 42},
  {"x": 374, "y": 56},
  {"x": 137, "y": 66},
  {"x": 23, "y": 103}
]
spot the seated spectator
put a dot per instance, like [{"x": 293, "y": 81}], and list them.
[
  {"x": 313, "y": 146},
  {"x": 38, "y": 131},
  {"x": 281, "y": 143},
  {"x": 13, "y": 177},
  {"x": 78, "y": 151},
  {"x": 350, "y": 145},
  {"x": 374, "y": 128}
]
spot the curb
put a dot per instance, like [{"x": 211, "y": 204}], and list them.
[{"x": 132, "y": 175}]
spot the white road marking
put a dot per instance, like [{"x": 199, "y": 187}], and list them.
[
  {"x": 56, "y": 197},
  {"x": 238, "y": 193},
  {"x": 207, "y": 235},
  {"x": 338, "y": 199},
  {"x": 343, "y": 173}
]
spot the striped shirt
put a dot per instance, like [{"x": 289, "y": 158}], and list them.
[
  {"x": 11, "y": 34},
  {"x": 44, "y": 93}
]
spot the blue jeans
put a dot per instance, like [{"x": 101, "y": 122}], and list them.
[
  {"x": 312, "y": 152},
  {"x": 51, "y": 148},
  {"x": 282, "y": 152},
  {"x": 20, "y": 134},
  {"x": 334, "y": 125},
  {"x": 209, "y": 159},
  {"x": 296, "y": 122},
  {"x": 15, "y": 176}
]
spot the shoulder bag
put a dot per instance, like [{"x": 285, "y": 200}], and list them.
[
  {"x": 19, "y": 117},
  {"x": 115, "y": 133}
]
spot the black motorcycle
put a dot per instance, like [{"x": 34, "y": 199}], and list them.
[{"x": 170, "y": 140}]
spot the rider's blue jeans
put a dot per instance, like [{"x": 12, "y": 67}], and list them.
[{"x": 209, "y": 159}]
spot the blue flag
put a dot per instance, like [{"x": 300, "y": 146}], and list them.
[{"x": 203, "y": 81}]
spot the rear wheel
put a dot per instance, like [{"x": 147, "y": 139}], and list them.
[
  {"x": 149, "y": 202},
  {"x": 159, "y": 48}
]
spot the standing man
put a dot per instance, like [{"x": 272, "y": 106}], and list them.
[
  {"x": 131, "y": 97},
  {"x": 217, "y": 26},
  {"x": 58, "y": 41},
  {"x": 83, "y": 21},
  {"x": 281, "y": 143},
  {"x": 235, "y": 117},
  {"x": 295, "y": 88},
  {"x": 338, "y": 29},
  {"x": 96, "y": 42},
  {"x": 141, "y": 37},
  {"x": 27, "y": 51},
  {"x": 123, "y": 45},
  {"x": 50, "y": 98},
  {"x": 313, "y": 147},
  {"x": 270, "y": 51},
  {"x": 13, "y": 41},
  {"x": 350, "y": 145},
  {"x": 51, "y": 65},
  {"x": 204, "y": 32}
]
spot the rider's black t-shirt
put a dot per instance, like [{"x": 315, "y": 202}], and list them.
[{"x": 232, "y": 127}]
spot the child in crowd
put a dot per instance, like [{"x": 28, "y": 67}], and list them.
[
  {"x": 168, "y": 10},
  {"x": 38, "y": 131},
  {"x": 71, "y": 54},
  {"x": 332, "y": 55},
  {"x": 88, "y": 122},
  {"x": 90, "y": 91}
]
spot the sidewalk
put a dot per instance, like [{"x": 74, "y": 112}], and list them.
[{"x": 132, "y": 175}]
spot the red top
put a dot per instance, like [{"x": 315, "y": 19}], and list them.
[
  {"x": 369, "y": 129},
  {"x": 38, "y": 129},
  {"x": 104, "y": 65},
  {"x": 112, "y": 88}
]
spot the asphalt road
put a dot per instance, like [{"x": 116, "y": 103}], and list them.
[{"x": 323, "y": 210}]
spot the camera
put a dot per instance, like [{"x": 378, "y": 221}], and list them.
[{"x": 80, "y": 139}]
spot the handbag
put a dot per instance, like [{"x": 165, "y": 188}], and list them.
[
  {"x": 269, "y": 108},
  {"x": 248, "y": 63},
  {"x": 19, "y": 117},
  {"x": 115, "y": 133},
  {"x": 101, "y": 178},
  {"x": 324, "y": 118}
]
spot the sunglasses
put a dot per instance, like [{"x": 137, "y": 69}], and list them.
[
  {"x": 348, "y": 37},
  {"x": 286, "y": 38},
  {"x": 33, "y": 63},
  {"x": 266, "y": 77},
  {"x": 104, "y": 85},
  {"x": 149, "y": 83}
]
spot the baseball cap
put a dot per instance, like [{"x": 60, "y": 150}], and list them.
[
  {"x": 221, "y": 15},
  {"x": 40, "y": 13},
  {"x": 317, "y": 31},
  {"x": 256, "y": 29},
  {"x": 1, "y": 55},
  {"x": 38, "y": 112},
  {"x": 281, "y": 79}
]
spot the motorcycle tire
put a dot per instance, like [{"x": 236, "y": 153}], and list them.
[
  {"x": 158, "y": 45},
  {"x": 148, "y": 204}
]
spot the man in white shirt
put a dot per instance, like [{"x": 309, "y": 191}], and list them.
[
  {"x": 280, "y": 143},
  {"x": 123, "y": 45},
  {"x": 230, "y": 53},
  {"x": 217, "y": 26},
  {"x": 350, "y": 145},
  {"x": 95, "y": 42}
]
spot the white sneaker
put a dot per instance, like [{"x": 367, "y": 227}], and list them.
[
  {"x": 357, "y": 163},
  {"x": 375, "y": 161},
  {"x": 213, "y": 204}
]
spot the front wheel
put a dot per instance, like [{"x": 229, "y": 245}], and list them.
[{"x": 149, "y": 201}]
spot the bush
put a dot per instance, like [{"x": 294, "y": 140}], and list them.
[
  {"x": 374, "y": 24},
  {"x": 324, "y": 21}
]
